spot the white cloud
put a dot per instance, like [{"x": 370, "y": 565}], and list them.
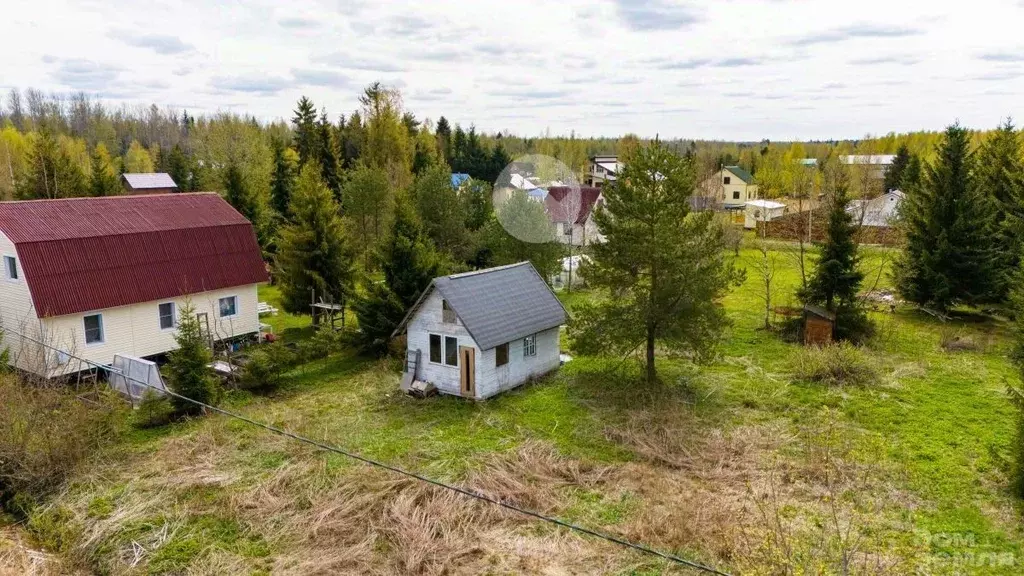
[{"x": 739, "y": 70}]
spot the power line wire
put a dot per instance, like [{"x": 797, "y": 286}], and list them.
[{"x": 457, "y": 489}]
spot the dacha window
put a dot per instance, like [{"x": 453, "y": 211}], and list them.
[
  {"x": 451, "y": 351},
  {"x": 501, "y": 355},
  {"x": 530, "y": 346},
  {"x": 10, "y": 268},
  {"x": 435, "y": 349},
  {"x": 167, "y": 316},
  {"x": 93, "y": 329},
  {"x": 228, "y": 306}
]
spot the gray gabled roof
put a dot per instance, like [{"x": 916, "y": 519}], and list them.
[
  {"x": 498, "y": 305},
  {"x": 150, "y": 180}
]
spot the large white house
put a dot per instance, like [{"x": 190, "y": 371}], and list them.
[
  {"x": 96, "y": 277},
  {"x": 480, "y": 333}
]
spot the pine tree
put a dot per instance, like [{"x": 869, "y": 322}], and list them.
[
  {"x": 186, "y": 369},
  {"x": 836, "y": 279},
  {"x": 314, "y": 251},
  {"x": 282, "y": 181},
  {"x": 663, "y": 267},
  {"x": 1001, "y": 177},
  {"x": 306, "y": 136},
  {"x": 409, "y": 262},
  {"x": 950, "y": 255},
  {"x": 102, "y": 179}
]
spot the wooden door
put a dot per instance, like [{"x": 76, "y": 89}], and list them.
[{"x": 467, "y": 370}]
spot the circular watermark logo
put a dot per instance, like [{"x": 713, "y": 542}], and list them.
[{"x": 537, "y": 198}]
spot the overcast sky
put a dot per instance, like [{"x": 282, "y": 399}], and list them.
[{"x": 739, "y": 69}]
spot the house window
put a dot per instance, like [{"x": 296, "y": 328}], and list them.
[
  {"x": 451, "y": 351},
  {"x": 228, "y": 306},
  {"x": 727, "y": 180},
  {"x": 501, "y": 355},
  {"x": 736, "y": 195},
  {"x": 567, "y": 228},
  {"x": 435, "y": 348},
  {"x": 447, "y": 314},
  {"x": 166, "y": 315},
  {"x": 93, "y": 329},
  {"x": 10, "y": 268},
  {"x": 530, "y": 346}
]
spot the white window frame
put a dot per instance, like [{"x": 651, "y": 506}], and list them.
[
  {"x": 174, "y": 316},
  {"x": 220, "y": 311},
  {"x": 103, "y": 330},
  {"x": 530, "y": 346},
  {"x": 445, "y": 359},
  {"x": 7, "y": 271}
]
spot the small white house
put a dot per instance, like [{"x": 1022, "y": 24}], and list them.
[
  {"x": 480, "y": 333},
  {"x": 100, "y": 277},
  {"x": 761, "y": 211}
]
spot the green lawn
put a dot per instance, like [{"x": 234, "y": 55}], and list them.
[{"x": 737, "y": 464}]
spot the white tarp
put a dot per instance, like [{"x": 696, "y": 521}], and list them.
[{"x": 127, "y": 373}]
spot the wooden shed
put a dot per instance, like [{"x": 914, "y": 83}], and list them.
[{"x": 818, "y": 325}]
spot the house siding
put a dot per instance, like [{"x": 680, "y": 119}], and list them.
[
  {"x": 135, "y": 329},
  {"x": 17, "y": 313},
  {"x": 427, "y": 321},
  {"x": 490, "y": 380}
]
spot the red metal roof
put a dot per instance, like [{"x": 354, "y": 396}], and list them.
[
  {"x": 557, "y": 206},
  {"x": 83, "y": 254}
]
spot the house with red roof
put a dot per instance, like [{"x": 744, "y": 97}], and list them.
[
  {"x": 95, "y": 277},
  {"x": 571, "y": 210}
]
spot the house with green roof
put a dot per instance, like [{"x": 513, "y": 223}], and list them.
[{"x": 733, "y": 186}]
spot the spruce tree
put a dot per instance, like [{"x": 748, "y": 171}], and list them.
[
  {"x": 186, "y": 370},
  {"x": 444, "y": 139},
  {"x": 1001, "y": 177},
  {"x": 949, "y": 256},
  {"x": 313, "y": 250},
  {"x": 895, "y": 172},
  {"x": 306, "y": 134},
  {"x": 662, "y": 269},
  {"x": 327, "y": 149},
  {"x": 282, "y": 181},
  {"x": 836, "y": 278},
  {"x": 102, "y": 180},
  {"x": 409, "y": 262},
  {"x": 177, "y": 167}
]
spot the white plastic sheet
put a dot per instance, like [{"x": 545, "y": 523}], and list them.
[{"x": 128, "y": 373}]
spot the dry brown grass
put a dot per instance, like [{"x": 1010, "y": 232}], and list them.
[{"x": 18, "y": 558}]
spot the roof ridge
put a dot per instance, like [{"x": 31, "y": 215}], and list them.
[
  {"x": 484, "y": 271},
  {"x": 44, "y": 200},
  {"x": 125, "y": 234}
]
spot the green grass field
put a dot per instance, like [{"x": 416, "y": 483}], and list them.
[{"x": 738, "y": 464}]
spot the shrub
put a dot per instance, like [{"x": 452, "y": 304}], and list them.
[
  {"x": 322, "y": 344},
  {"x": 263, "y": 372},
  {"x": 835, "y": 365},
  {"x": 44, "y": 434},
  {"x": 953, "y": 340},
  {"x": 154, "y": 410}
]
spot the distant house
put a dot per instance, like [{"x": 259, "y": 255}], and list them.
[
  {"x": 734, "y": 185},
  {"x": 572, "y": 214},
  {"x": 879, "y": 163},
  {"x": 459, "y": 180},
  {"x": 96, "y": 277},
  {"x": 808, "y": 162},
  {"x": 603, "y": 169},
  {"x": 480, "y": 333},
  {"x": 151, "y": 183},
  {"x": 879, "y": 212},
  {"x": 762, "y": 211}
]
